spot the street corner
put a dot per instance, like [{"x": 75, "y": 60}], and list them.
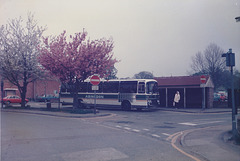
[
  {"x": 227, "y": 138},
  {"x": 177, "y": 142},
  {"x": 211, "y": 143}
]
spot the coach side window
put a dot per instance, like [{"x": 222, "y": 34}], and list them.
[
  {"x": 128, "y": 87},
  {"x": 141, "y": 87},
  {"x": 110, "y": 87}
]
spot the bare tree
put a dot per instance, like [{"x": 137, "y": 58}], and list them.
[
  {"x": 19, "y": 53},
  {"x": 210, "y": 62}
]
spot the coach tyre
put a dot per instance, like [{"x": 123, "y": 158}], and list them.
[{"x": 126, "y": 105}]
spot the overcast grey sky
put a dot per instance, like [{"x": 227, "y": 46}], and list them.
[{"x": 159, "y": 36}]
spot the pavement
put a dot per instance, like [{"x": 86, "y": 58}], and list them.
[
  {"x": 212, "y": 144},
  {"x": 40, "y": 108},
  {"x": 65, "y": 111},
  {"x": 209, "y": 144},
  {"x": 197, "y": 110}
]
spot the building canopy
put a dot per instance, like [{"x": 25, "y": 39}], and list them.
[{"x": 183, "y": 81}]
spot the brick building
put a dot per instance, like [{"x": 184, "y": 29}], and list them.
[
  {"x": 34, "y": 89},
  {"x": 190, "y": 88}
]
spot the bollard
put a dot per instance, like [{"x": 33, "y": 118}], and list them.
[{"x": 48, "y": 105}]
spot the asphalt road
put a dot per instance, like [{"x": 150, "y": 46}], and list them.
[{"x": 123, "y": 136}]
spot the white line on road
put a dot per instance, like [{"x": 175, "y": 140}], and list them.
[
  {"x": 135, "y": 130},
  {"x": 127, "y": 128},
  {"x": 155, "y": 135},
  {"x": 195, "y": 124},
  {"x": 166, "y": 134},
  {"x": 187, "y": 123},
  {"x": 146, "y": 129},
  {"x": 211, "y": 122}
]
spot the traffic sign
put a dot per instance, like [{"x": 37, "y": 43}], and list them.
[
  {"x": 95, "y": 88},
  {"x": 95, "y": 80},
  {"x": 203, "y": 79}
]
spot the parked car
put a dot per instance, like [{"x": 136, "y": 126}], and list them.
[
  {"x": 220, "y": 96},
  {"x": 48, "y": 98},
  {"x": 223, "y": 97},
  {"x": 13, "y": 99},
  {"x": 216, "y": 97}
]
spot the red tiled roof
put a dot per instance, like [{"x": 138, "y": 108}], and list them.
[{"x": 179, "y": 81}]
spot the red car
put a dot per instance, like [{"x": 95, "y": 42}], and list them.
[{"x": 13, "y": 99}]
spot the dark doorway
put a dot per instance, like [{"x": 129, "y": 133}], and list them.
[
  {"x": 194, "y": 97},
  {"x": 162, "y": 93}
]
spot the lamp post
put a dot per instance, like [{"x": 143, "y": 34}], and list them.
[
  {"x": 237, "y": 19},
  {"x": 2, "y": 84},
  {"x": 230, "y": 62}
]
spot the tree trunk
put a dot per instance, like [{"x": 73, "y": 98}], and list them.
[
  {"x": 75, "y": 100},
  {"x": 23, "y": 96},
  {"x": 23, "y": 92},
  {"x": 23, "y": 103},
  {"x": 75, "y": 95}
]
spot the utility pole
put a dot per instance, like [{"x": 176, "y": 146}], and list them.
[
  {"x": 230, "y": 62},
  {"x": 2, "y": 84}
]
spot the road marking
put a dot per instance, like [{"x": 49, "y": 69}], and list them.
[
  {"x": 187, "y": 123},
  {"x": 135, "y": 130},
  {"x": 127, "y": 128},
  {"x": 211, "y": 122},
  {"x": 146, "y": 129},
  {"x": 118, "y": 126},
  {"x": 195, "y": 124},
  {"x": 171, "y": 136},
  {"x": 173, "y": 141},
  {"x": 174, "y": 138},
  {"x": 166, "y": 134},
  {"x": 155, "y": 135}
]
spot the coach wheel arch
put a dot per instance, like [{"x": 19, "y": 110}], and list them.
[
  {"x": 80, "y": 103},
  {"x": 126, "y": 105}
]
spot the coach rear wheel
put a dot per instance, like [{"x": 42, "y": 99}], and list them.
[{"x": 126, "y": 105}]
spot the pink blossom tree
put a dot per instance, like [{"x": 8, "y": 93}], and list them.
[{"x": 73, "y": 61}]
